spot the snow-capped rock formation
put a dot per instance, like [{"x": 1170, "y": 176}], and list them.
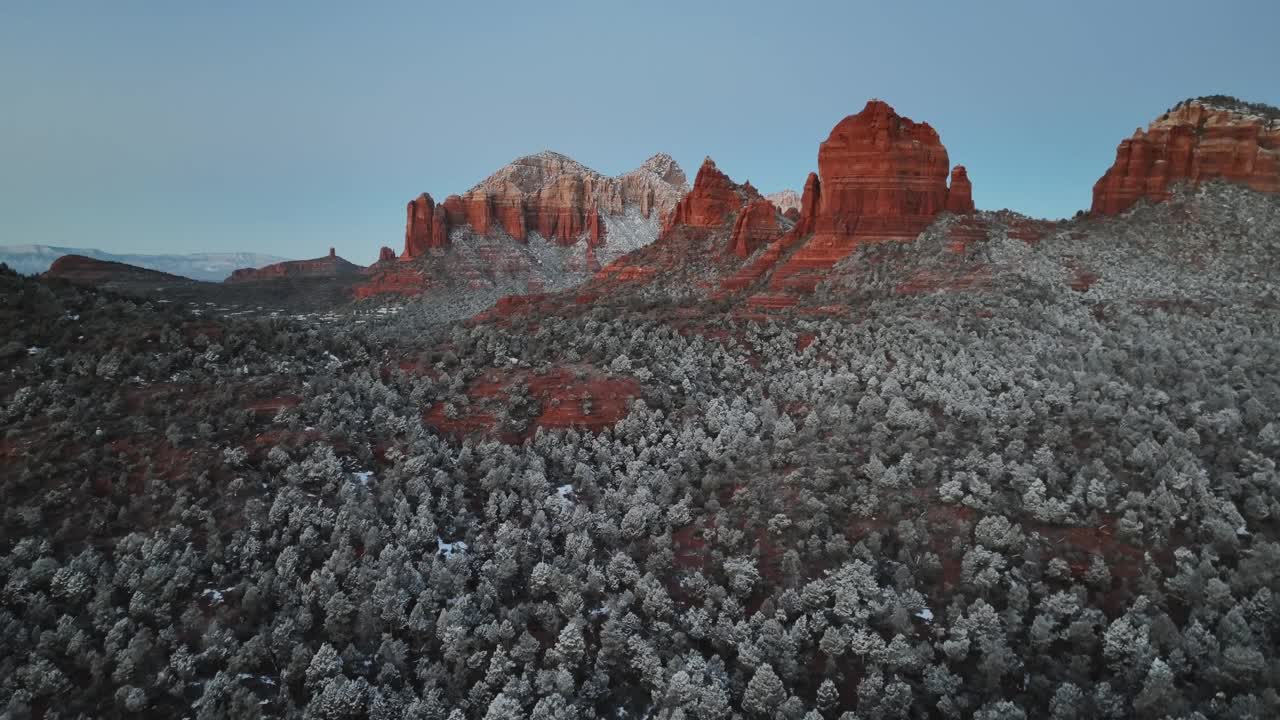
[{"x": 549, "y": 194}]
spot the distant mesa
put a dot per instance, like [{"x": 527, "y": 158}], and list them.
[
  {"x": 84, "y": 270},
  {"x": 329, "y": 266},
  {"x": 549, "y": 194},
  {"x": 30, "y": 259},
  {"x": 1199, "y": 139}
]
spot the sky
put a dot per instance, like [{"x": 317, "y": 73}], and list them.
[{"x": 289, "y": 127}]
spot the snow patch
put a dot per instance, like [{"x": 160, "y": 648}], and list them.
[
  {"x": 449, "y": 549},
  {"x": 626, "y": 233}
]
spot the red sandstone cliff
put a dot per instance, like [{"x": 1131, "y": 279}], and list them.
[
  {"x": 548, "y": 194},
  {"x": 960, "y": 192},
  {"x": 880, "y": 177},
  {"x": 883, "y": 176},
  {"x": 757, "y": 225},
  {"x": 1198, "y": 140}
]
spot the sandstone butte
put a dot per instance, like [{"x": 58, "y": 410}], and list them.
[
  {"x": 1196, "y": 141},
  {"x": 880, "y": 177},
  {"x": 547, "y": 193},
  {"x": 330, "y": 266}
]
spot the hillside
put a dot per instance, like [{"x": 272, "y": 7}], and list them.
[{"x": 894, "y": 457}]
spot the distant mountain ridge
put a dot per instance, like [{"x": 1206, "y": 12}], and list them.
[{"x": 33, "y": 259}]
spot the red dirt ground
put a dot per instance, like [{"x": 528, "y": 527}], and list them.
[{"x": 560, "y": 394}]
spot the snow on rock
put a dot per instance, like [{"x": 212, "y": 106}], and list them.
[
  {"x": 449, "y": 549},
  {"x": 627, "y": 233}
]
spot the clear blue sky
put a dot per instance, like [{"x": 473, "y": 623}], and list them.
[{"x": 287, "y": 127}]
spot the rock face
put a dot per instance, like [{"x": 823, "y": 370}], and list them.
[
  {"x": 426, "y": 226},
  {"x": 386, "y": 254},
  {"x": 757, "y": 225},
  {"x": 330, "y": 266},
  {"x": 1198, "y": 140},
  {"x": 882, "y": 175},
  {"x": 960, "y": 192},
  {"x": 785, "y": 200},
  {"x": 712, "y": 201},
  {"x": 712, "y": 227},
  {"x": 548, "y": 194}
]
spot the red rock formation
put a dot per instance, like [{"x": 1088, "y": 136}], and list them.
[
  {"x": 1196, "y": 141},
  {"x": 757, "y": 226},
  {"x": 960, "y": 193},
  {"x": 883, "y": 176},
  {"x": 596, "y": 228},
  {"x": 712, "y": 201},
  {"x": 792, "y": 214},
  {"x": 91, "y": 271},
  {"x": 549, "y": 194},
  {"x": 330, "y": 266},
  {"x": 426, "y": 226},
  {"x": 809, "y": 206},
  {"x": 386, "y": 254},
  {"x": 658, "y": 184},
  {"x": 391, "y": 279}
]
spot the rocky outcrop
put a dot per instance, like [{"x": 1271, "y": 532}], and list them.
[
  {"x": 386, "y": 254},
  {"x": 1196, "y": 141},
  {"x": 548, "y": 194},
  {"x": 960, "y": 191},
  {"x": 330, "y": 266},
  {"x": 883, "y": 176},
  {"x": 712, "y": 201},
  {"x": 880, "y": 177},
  {"x": 757, "y": 225},
  {"x": 426, "y": 227},
  {"x": 808, "y": 206}
]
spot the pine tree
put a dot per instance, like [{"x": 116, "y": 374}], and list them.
[{"x": 764, "y": 693}]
